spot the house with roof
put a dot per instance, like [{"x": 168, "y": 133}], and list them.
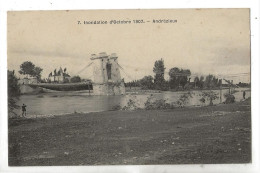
[{"x": 60, "y": 76}]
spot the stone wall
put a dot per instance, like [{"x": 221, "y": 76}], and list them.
[{"x": 109, "y": 89}]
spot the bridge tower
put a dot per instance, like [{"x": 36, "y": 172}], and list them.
[{"x": 106, "y": 73}]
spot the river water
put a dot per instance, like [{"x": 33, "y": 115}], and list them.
[{"x": 59, "y": 103}]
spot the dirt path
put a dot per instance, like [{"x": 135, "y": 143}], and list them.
[{"x": 217, "y": 134}]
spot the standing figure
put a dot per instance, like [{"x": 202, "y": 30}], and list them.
[
  {"x": 244, "y": 95},
  {"x": 24, "y": 110}
]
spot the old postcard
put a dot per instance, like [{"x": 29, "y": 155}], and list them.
[{"x": 129, "y": 87}]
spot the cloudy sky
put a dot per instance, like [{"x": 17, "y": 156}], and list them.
[{"x": 206, "y": 41}]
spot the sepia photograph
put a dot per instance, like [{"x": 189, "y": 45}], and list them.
[{"x": 129, "y": 87}]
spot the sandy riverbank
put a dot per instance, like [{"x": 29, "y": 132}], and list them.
[{"x": 216, "y": 134}]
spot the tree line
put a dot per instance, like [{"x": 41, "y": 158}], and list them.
[{"x": 179, "y": 79}]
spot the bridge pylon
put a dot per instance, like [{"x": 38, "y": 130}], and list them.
[{"x": 106, "y": 73}]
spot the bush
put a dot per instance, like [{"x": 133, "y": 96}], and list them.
[
  {"x": 229, "y": 98},
  {"x": 209, "y": 95},
  {"x": 202, "y": 100},
  {"x": 184, "y": 99},
  {"x": 131, "y": 105},
  {"x": 75, "y": 79},
  {"x": 116, "y": 108},
  {"x": 152, "y": 104}
]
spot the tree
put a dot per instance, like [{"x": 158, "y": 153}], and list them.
[
  {"x": 147, "y": 82},
  {"x": 37, "y": 72},
  {"x": 196, "y": 81},
  {"x": 159, "y": 70},
  {"x": 184, "y": 77},
  {"x": 75, "y": 79},
  {"x": 28, "y": 68},
  {"x": 178, "y": 77},
  {"x": 13, "y": 91},
  {"x": 174, "y": 77},
  {"x": 201, "y": 82},
  {"x": 211, "y": 81}
]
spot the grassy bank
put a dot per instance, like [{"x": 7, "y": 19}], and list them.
[{"x": 216, "y": 134}]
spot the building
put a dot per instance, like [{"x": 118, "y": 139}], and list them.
[
  {"x": 28, "y": 80},
  {"x": 59, "y": 77},
  {"x": 107, "y": 78},
  {"x": 24, "y": 83}
]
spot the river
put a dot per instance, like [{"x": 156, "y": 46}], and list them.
[{"x": 60, "y": 103}]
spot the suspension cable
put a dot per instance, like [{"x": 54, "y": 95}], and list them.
[{"x": 84, "y": 68}]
